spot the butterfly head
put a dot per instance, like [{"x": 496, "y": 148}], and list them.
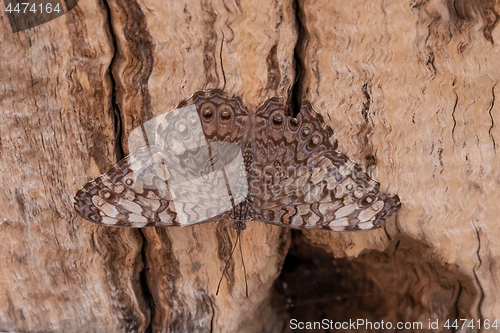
[{"x": 240, "y": 224}]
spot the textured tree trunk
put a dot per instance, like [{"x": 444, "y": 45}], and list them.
[{"x": 408, "y": 87}]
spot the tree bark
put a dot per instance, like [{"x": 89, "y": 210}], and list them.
[{"x": 408, "y": 88}]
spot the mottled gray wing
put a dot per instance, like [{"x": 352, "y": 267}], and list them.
[
  {"x": 299, "y": 180},
  {"x": 136, "y": 192},
  {"x": 190, "y": 171}
]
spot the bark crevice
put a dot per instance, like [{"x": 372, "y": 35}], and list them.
[
  {"x": 298, "y": 57},
  {"x": 481, "y": 291},
  {"x": 120, "y": 153},
  {"x": 492, "y": 104}
]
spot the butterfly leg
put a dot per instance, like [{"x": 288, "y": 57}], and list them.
[{"x": 238, "y": 233}]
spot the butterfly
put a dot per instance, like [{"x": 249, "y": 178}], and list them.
[{"x": 210, "y": 159}]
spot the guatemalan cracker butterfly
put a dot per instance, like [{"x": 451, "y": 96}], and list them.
[
  {"x": 211, "y": 159},
  {"x": 282, "y": 170}
]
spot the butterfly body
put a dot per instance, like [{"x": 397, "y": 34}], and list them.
[{"x": 217, "y": 161}]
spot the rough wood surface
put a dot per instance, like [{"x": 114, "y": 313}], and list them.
[
  {"x": 410, "y": 90},
  {"x": 408, "y": 87}
]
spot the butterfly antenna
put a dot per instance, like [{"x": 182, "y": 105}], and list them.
[
  {"x": 244, "y": 269},
  {"x": 227, "y": 263}
]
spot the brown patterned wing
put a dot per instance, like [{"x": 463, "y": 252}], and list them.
[
  {"x": 181, "y": 176},
  {"x": 223, "y": 118},
  {"x": 300, "y": 181}
]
